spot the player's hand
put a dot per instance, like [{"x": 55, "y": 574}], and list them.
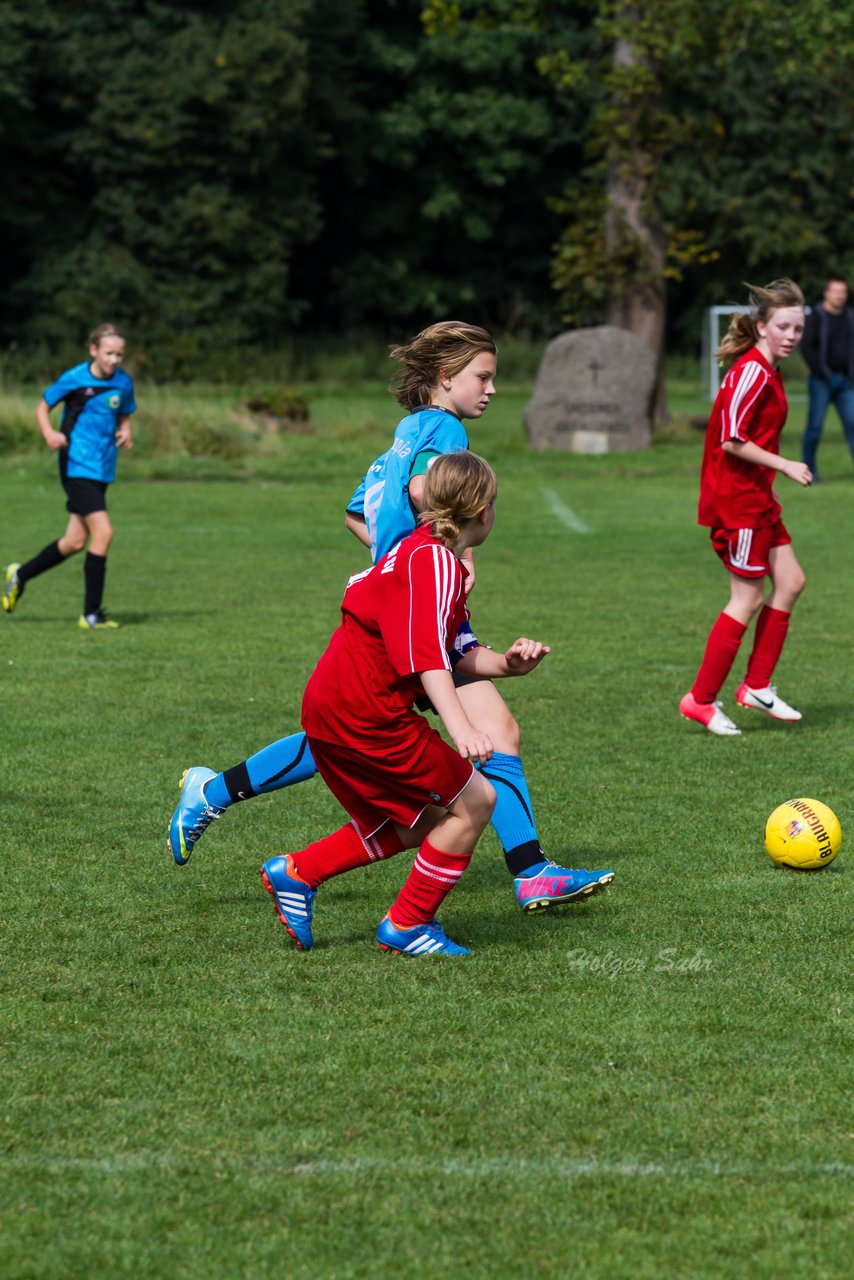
[
  {"x": 524, "y": 655},
  {"x": 56, "y": 440},
  {"x": 124, "y": 437},
  {"x": 474, "y": 745},
  {"x": 800, "y": 473}
]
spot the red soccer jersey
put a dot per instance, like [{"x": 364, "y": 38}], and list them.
[
  {"x": 751, "y": 405},
  {"x": 397, "y": 619}
]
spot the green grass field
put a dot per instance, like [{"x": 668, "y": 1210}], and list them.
[{"x": 654, "y": 1085}]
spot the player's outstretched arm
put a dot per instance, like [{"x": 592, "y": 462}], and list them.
[
  {"x": 522, "y": 656},
  {"x": 471, "y": 743},
  {"x": 750, "y": 452}
]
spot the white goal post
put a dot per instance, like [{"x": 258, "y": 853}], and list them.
[{"x": 711, "y": 342}]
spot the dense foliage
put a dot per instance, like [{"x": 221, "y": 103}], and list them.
[{"x": 240, "y": 171}]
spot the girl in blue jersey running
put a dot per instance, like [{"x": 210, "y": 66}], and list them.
[
  {"x": 446, "y": 373},
  {"x": 99, "y": 400}
]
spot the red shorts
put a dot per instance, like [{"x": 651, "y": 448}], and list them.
[
  {"x": 745, "y": 552},
  {"x": 397, "y": 780}
]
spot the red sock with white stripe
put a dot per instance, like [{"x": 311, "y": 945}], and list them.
[
  {"x": 721, "y": 647},
  {"x": 434, "y": 874},
  {"x": 771, "y": 628},
  {"x": 344, "y": 850}
]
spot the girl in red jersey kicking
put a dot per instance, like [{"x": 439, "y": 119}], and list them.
[
  {"x": 737, "y": 503},
  {"x": 403, "y": 786}
]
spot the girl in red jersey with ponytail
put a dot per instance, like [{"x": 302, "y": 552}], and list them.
[
  {"x": 404, "y": 787},
  {"x": 738, "y": 504}
]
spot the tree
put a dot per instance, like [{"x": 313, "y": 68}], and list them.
[
  {"x": 437, "y": 184},
  {"x": 30, "y": 160},
  {"x": 188, "y": 163},
  {"x": 219, "y": 174},
  {"x": 660, "y": 81}
]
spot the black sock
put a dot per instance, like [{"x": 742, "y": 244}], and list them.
[
  {"x": 48, "y": 558},
  {"x": 94, "y": 572},
  {"x": 237, "y": 783},
  {"x": 523, "y": 856}
]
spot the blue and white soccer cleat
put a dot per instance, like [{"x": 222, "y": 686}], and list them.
[
  {"x": 546, "y": 885},
  {"x": 424, "y": 940},
  {"x": 193, "y": 816},
  {"x": 292, "y": 897}
]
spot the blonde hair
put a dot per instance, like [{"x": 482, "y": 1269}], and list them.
[
  {"x": 104, "y": 331},
  {"x": 457, "y": 487},
  {"x": 446, "y": 347},
  {"x": 743, "y": 333}
]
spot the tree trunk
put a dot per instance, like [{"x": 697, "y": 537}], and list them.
[{"x": 639, "y": 301}]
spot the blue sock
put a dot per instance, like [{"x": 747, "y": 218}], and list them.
[
  {"x": 280, "y": 765},
  {"x": 513, "y": 816}
]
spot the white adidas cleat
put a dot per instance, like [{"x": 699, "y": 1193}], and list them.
[
  {"x": 708, "y": 714},
  {"x": 767, "y": 700}
]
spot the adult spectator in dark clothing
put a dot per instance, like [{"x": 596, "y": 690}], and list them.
[{"x": 828, "y": 348}]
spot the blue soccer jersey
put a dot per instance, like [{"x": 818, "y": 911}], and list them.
[
  {"x": 383, "y": 496},
  {"x": 90, "y": 419}
]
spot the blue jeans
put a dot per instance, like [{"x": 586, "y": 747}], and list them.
[{"x": 824, "y": 392}]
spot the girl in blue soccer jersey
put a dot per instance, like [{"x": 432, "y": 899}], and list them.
[
  {"x": 95, "y": 424},
  {"x": 445, "y": 374}
]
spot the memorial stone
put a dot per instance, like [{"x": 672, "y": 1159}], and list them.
[{"x": 593, "y": 393}]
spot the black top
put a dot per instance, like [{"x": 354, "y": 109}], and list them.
[
  {"x": 828, "y": 343},
  {"x": 837, "y": 342}
]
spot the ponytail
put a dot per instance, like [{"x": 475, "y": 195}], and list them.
[{"x": 457, "y": 488}]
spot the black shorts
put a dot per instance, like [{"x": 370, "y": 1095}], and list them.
[
  {"x": 460, "y": 679},
  {"x": 84, "y": 496}
]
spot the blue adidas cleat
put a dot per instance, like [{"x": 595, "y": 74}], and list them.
[
  {"x": 292, "y": 897},
  {"x": 193, "y": 816},
  {"x": 424, "y": 940},
  {"x": 547, "y": 885}
]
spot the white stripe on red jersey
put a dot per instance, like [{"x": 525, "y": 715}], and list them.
[
  {"x": 748, "y": 381},
  {"x": 750, "y": 407},
  {"x": 445, "y": 570},
  {"x": 397, "y": 621}
]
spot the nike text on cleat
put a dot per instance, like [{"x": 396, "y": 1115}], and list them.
[
  {"x": 708, "y": 714},
  {"x": 546, "y": 885},
  {"x": 12, "y": 588},
  {"x": 424, "y": 940},
  {"x": 193, "y": 816},
  {"x": 97, "y": 621},
  {"x": 766, "y": 700},
  {"x": 292, "y": 898}
]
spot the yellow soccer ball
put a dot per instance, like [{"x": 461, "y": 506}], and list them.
[{"x": 803, "y": 835}]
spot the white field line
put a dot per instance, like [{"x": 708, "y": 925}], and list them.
[
  {"x": 460, "y": 1166},
  {"x": 564, "y": 513}
]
